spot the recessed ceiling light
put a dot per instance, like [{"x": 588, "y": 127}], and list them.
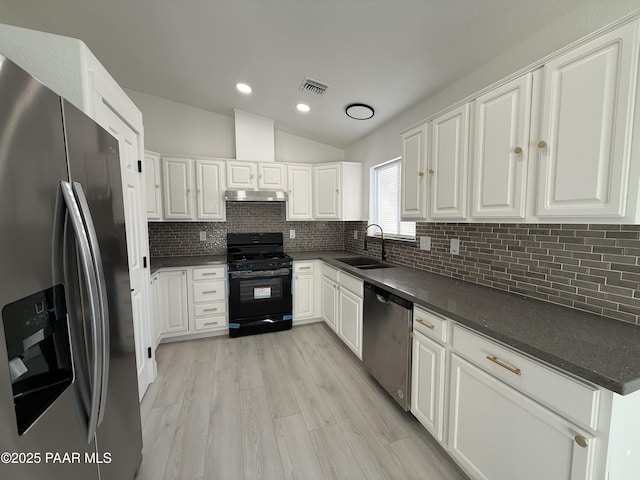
[
  {"x": 244, "y": 88},
  {"x": 359, "y": 111},
  {"x": 303, "y": 107}
]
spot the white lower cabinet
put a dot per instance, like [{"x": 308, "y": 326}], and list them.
[
  {"x": 190, "y": 301},
  {"x": 497, "y": 433},
  {"x": 427, "y": 384},
  {"x": 304, "y": 291},
  {"x": 172, "y": 300},
  {"x": 341, "y": 306}
]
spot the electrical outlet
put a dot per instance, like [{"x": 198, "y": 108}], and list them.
[
  {"x": 455, "y": 246},
  {"x": 355, "y": 234},
  {"x": 425, "y": 243},
  {"x": 292, "y": 233},
  {"x": 203, "y": 236}
]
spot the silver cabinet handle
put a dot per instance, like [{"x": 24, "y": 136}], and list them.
[
  {"x": 210, "y": 291},
  {"x": 304, "y": 268},
  {"x": 210, "y": 310},
  {"x": 582, "y": 441},
  {"x": 209, "y": 273},
  {"x": 210, "y": 323}
]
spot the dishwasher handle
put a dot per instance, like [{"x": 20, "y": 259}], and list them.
[{"x": 386, "y": 297}]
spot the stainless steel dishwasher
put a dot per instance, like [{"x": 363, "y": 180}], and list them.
[{"x": 386, "y": 342}]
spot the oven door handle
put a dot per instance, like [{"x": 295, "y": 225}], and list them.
[{"x": 282, "y": 272}]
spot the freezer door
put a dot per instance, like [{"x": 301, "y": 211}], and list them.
[
  {"x": 94, "y": 163},
  {"x": 32, "y": 162}
]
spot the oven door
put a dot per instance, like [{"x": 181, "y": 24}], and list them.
[{"x": 259, "y": 293}]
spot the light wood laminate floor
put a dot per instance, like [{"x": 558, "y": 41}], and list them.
[{"x": 286, "y": 405}]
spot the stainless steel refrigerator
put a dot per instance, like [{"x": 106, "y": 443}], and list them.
[{"x": 68, "y": 389}]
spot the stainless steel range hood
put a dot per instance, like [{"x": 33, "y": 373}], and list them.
[{"x": 255, "y": 196}]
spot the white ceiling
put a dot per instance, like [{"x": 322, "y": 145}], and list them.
[{"x": 390, "y": 54}]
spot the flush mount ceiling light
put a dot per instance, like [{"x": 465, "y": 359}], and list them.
[
  {"x": 359, "y": 111},
  {"x": 303, "y": 107},
  {"x": 244, "y": 88}
]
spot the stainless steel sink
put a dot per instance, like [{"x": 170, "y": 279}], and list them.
[{"x": 363, "y": 263}]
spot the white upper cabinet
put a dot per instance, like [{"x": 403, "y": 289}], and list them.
[
  {"x": 500, "y": 150},
  {"x": 210, "y": 190},
  {"x": 153, "y": 185},
  {"x": 193, "y": 189},
  {"x": 337, "y": 189},
  {"x": 448, "y": 164},
  {"x": 272, "y": 176},
  {"x": 585, "y": 136},
  {"x": 242, "y": 175},
  {"x": 299, "y": 203},
  {"x": 178, "y": 188},
  {"x": 414, "y": 160}
]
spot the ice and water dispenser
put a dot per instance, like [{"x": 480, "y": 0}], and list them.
[{"x": 37, "y": 336}]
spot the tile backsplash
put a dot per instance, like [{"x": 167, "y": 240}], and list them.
[
  {"x": 595, "y": 268},
  {"x": 170, "y": 239},
  {"x": 588, "y": 267}
]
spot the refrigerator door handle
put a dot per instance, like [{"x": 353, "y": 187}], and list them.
[
  {"x": 104, "y": 350},
  {"x": 88, "y": 269}
]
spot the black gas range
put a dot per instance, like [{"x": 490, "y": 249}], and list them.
[{"x": 260, "y": 283}]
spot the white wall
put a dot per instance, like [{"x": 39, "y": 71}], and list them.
[
  {"x": 384, "y": 143},
  {"x": 176, "y": 128}
]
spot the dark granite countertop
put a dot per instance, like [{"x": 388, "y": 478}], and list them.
[
  {"x": 194, "y": 261},
  {"x": 602, "y": 350}
]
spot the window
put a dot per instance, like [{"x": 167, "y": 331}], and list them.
[{"x": 385, "y": 201}]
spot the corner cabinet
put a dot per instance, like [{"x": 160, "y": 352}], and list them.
[
  {"x": 337, "y": 190},
  {"x": 414, "y": 161},
  {"x": 584, "y": 148}
]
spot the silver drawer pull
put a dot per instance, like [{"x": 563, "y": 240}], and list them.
[
  {"x": 210, "y": 310},
  {"x": 495, "y": 360},
  {"x": 210, "y": 323},
  {"x": 210, "y": 291},
  {"x": 304, "y": 268},
  {"x": 426, "y": 324},
  {"x": 582, "y": 441},
  {"x": 210, "y": 273}
]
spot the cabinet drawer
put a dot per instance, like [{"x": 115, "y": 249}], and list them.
[
  {"x": 430, "y": 325},
  {"x": 209, "y": 291},
  {"x": 330, "y": 272},
  {"x": 214, "y": 322},
  {"x": 351, "y": 283},
  {"x": 208, "y": 273},
  {"x": 569, "y": 397},
  {"x": 303, "y": 267},
  {"x": 208, "y": 309}
]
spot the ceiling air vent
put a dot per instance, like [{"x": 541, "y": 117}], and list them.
[{"x": 313, "y": 86}]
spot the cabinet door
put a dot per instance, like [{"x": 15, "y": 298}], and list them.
[
  {"x": 271, "y": 176},
  {"x": 501, "y": 153},
  {"x": 303, "y": 292},
  {"x": 584, "y": 149},
  {"x": 327, "y": 192},
  {"x": 242, "y": 175},
  {"x": 329, "y": 307},
  {"x": 427, "y": 384},
  {"x": 496, "y": 433},
  {"x": 448, "y": 164},
  {"x": 350, "y": 320},
  {"x": 414, "y": 155},
  {"x": 178, "y": 188},
  {"x": 153, "y": 189},
  {"x": 172, "y": 301},
  {"x": 155, "y": 313},
  {"x": 300, "y": 183},
  {"x": 209, "y": 190}
]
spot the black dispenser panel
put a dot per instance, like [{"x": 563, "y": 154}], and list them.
[{"x": 37, "y": 336}]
